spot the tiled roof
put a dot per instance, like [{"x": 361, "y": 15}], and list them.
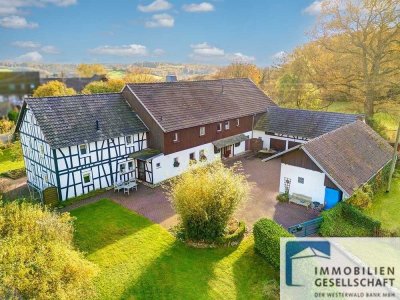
[
  {"x": 302, "y": 123},
  {"x": 71, "y": 120},
  {"x": 184, "y": 104},
  {"x": 351, "y": 155}
]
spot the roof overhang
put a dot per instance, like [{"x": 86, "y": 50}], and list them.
[
  {"x": 230, "y": 140},
  {"x": 145, "y": 154}
]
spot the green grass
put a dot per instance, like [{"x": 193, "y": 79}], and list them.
[
  {"x": 141, "y": 260},
  {"x": 386, "y": 207},
  {"x": 6, "y": 162}
]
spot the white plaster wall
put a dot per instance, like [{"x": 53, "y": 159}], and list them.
[
  {"x": 313, "y": 182},
  {"x": 240, "y": 149},
  {"x": 266, "y": 138}
]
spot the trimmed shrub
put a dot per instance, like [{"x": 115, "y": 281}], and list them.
[
  {"x": 284, "y": 197},
  {"x": 357, "y": 217},
  {"x": 267, "y": 234}
]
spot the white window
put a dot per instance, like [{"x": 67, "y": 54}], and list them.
[
  {"x": 176, "y": 162},
  {"x": 87, "y": 177},
  {"x": 126, "y": 166},
  {"x": 130, "y": 165},
  {"x": 300, "y": 180},
  {"x": 176, "y": 137},
  {"x": 158, "y": 165},
  {"x": 122, "y": 168},
  {"x": 202, "y": 131},
  {"x": 237, "y": 122},
  {"x": 219, "y": 127},
  {"x": 83, "y": 149},
  {"x": 227, "y": 125},
  {"x": 192, "y": 156},
  {"x": 202, "y": 155},
  {"x": 129, "y": 140}
]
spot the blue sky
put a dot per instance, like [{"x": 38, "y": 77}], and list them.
[{"x": 127, "y": 31}]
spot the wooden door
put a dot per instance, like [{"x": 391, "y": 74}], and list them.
[{"x": 141, "y": 170}]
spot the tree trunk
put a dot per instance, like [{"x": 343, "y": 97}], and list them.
[{"x": 369, "y": 105}]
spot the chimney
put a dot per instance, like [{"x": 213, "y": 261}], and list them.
[{"x": 97, "y": 125}]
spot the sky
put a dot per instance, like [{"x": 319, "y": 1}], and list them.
[{"x": 177, "y": 31}]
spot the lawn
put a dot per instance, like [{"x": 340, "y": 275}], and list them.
[
  {"x": 6, "y": 162},
  {"x": 141, "y": 260},
  {"x": 386, "y": 207}
]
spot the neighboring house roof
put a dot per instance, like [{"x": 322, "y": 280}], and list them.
[
  {"x": 302, "y": 123},
  {"x": 185, "y": 104},
  {"x": 77, "y": 83},
  {"x": 71, "y": 120}
]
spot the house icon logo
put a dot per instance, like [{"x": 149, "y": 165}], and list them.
[{"x": 302, "y": 250}]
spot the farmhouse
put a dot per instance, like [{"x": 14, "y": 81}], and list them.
[
  {"x": 283, "y": 128},
  {"x": 148, "y": 131},
  {"x": 333, "y": 166}
]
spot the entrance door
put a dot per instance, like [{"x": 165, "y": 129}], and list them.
[
  {"x": 141, "y": 170},
  {"x": 227, "y": 151}
]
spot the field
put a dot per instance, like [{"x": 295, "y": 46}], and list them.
[{"x": 141, "y": 260}]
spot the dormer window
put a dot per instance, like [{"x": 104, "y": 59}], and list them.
[
  {"x": 202, "y": 131},
  {"x": 237, "y": 122},
  {"x": 219, "y": 127},
  {"x": 227, "y": 125},
  {"x": 176, "y": 137},
  {"x": 83, "y": 149}
]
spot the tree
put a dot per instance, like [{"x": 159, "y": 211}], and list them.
[
  {"x": 110, "y": 86},
  {"x": 37, "y": 256},
  {"x": 365, "y": 35},
  {"x": 53, "y": 88},
  {"x": 205, "y": 198},
  {"x": 89, "y": 70},
  {"x": 240, "y": 70}
]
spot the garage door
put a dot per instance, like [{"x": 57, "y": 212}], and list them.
[{"x": 278, "y": 145}]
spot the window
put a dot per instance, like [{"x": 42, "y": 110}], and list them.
[
  {"x": 126, "y": 166},
  {"x": 130, "y": 165},
  {"x": 176, "y": 137},
  {"x": 83, "y": 149},
  {"x": 22, "y": 85},
  {"x": 227, "y": 125},
  {"x": 32, "y": 85},
  {"x": 158, "y": 165},
  {"x": 237, "y": 122},
  {"x": 176, "y": 162},
  {"x": 128, "y": 140},
  {"x": 87, "y": 177},
  {"x": 192, "y": 156},
  {"x": 11, "y": 87},
  {"x": 219, "y": 127},
  {"x": 202, "y": 155},
  {"x": 122, "y": 168},
  {"x": 237, "y": 144},
  {"x": 202, "y": 131},
  {"x": 41, "y": 149},
  {"x": 300, "y": 180}
]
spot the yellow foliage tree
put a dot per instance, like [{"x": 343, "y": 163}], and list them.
[
  {"x": 89, "y": 70},
  {"x": 37, "y": 256},
  {"x": 110, "y": 86},
  {"x": 240, "y": 70},
  {"x": 53, "y": 88}
]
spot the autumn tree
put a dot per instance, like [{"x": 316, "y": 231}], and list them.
[
  {"x": 364, "y": 35},
  {"x": 240, "y": 70},
  {"x": 109, "y": 86},
  {"x": 89, "y": 70},
  {"x": 37, "y": 256},
  {"x": 53, "y": 88}
]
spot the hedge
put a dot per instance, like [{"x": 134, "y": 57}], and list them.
[
  {"x": 357, "y": 217},
  {"x": 267, "y": 234}
]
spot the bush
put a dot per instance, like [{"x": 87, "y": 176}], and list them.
[
  {"x": 13, "y": 115},
  {"x": 267, "y": 234},
  {"x": 37, "y": 256},
  {"x": 53, "y": 88},
  {"x": 344, "y": 220},
  {"x": 284, "y": 197},
  {"x": 205, "y": 198},
  {"x": 14, "y": 174},
  {"x": 235, "y": 237},
  {"x": 6, "y": 125},
  {"x": 362, "y": 198}
]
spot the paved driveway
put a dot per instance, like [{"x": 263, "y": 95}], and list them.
[{"x": 152, "y": 202}]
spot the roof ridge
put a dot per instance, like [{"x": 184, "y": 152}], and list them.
[
  {"x": 187, "y": 81},
  {"x": 76, "y": 95},
  {"x": 317, "y": 111}
]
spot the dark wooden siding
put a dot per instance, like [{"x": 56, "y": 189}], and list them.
[
  {"x": 190, "y": 137},
  {"x": 278, "y": 145},
  {"x": 328, "y": 183},
  {"x": 299, "y": 159},
  {"x": 155, "y": 136},
  {"x": 293, "y": 144}
]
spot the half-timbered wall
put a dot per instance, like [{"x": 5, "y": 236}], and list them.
[
  {"x": 102, "y": 162},
  {"x": 38, "y": 156}
]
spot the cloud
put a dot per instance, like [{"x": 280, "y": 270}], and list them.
[
  {"x": 200, "y": 7},
  {"x": 33, "y": 56},
  {"x": 13, "y": 7},
  {"x": 8, "y": 10},
  {"x": 160, "y": 20},
  {"x": 207, "y": 52},
  {"x": 124, "y": 50},
  {"x": 49, "y": 49},
  {"x": 16, "y": 22},
  {"x": 26, "y": 44},
  {"x": 157, "y": 5},
  {"x": 279, "y": 55},
  {"x": 314, "y": 8},
  {"x": 204, "y": 50},
  {"x": 158, "y": 52}
]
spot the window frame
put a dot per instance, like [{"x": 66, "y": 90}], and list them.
[
  {"x": 125, "y": 165},
  {"x": 227, "y": 125},
  {"x": 237, "y": 122},
  {"x": 219, "y": 127},
  {"x": 202, "y": 131},
  {"x": 126, "y": 140},
  {"x": 300, "y": 180},
  {"x": 84, "y": 173},
  {"x": 176, "y": 137},
  {"x": 194, "y": 156},
  {"x": 86, "y": 148}
]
